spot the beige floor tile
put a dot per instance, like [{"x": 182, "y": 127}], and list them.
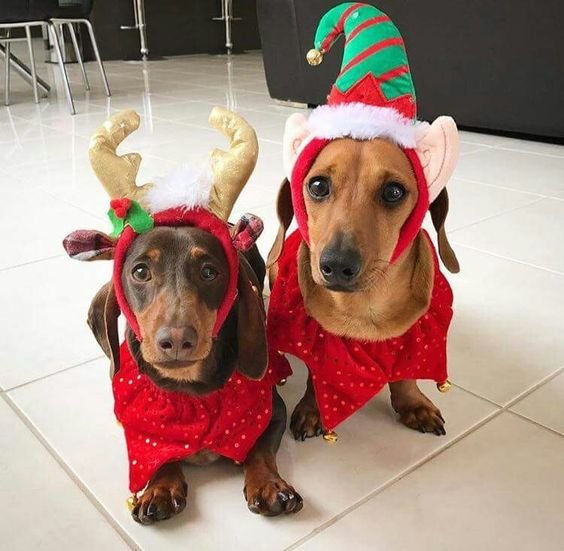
[
  {"x": 545, "y": 405},
  {"x": 512, "y": 144},
  {"x": 34, "y": 224},
  {"x": 514, "y": 169},
  {"x": 507, "y": 330},
  {"x": 43, "y": 324},
  {"x": 532, "y": 234},
  {"x": 471, "y": 202},
  {"x": 43, "y": 508},
  {"x": 500, "y": 488}
]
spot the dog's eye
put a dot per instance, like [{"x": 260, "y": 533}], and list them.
[
  {"x": 393, "y": 193},
  {"x": 141, "y": 273},
  {"x": 208, "y": 273},
  {"x": 319, "y": 187}
]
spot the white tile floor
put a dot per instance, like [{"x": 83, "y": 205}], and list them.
[{"x": 494, "y": 482}]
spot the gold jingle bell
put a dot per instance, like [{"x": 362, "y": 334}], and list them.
[
  {"x": 444, "y": 386},
  {"x": 314, "y": 57},
  {"x": 330, "y": 436},
  {"x": 131, "y": 502}
]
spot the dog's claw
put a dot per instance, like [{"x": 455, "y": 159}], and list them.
[
  {"x": 423, "y": 417},
  {"x": 305, "y": 421},
  {"x": 159, "y": 503},
  {"x": 274, "y": 498}
]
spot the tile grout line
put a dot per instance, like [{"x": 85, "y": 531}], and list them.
[
  {"x": 492, "y": 216},
  {"x": 15, "y": 266},
  {"x": 127, "y": 539},
  {"x": 533, "y": 388},
  {"x": 48, "y": 375},
  {"x": 55, "y": 197},
  {"x": 536, "y": 423},
  {"x": 514, "y": 149},
  {"x": 322, "y": 527},
  {"x": 516, "y": 399},
  {"x": 502, "y": 257},
  {"x": 505, "y": 188},
  {"x": 479, "y": 148}
]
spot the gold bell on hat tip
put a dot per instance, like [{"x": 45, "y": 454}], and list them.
[
  {"x": 444, "y": 386},
  {"x": 330, "y": 436},
  {"x": 314, "y": 57}
]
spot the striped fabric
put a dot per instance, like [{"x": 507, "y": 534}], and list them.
[{"x": 374, "y": 46}]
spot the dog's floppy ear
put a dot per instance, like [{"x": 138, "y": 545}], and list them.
[
  {"x": 439, "y": 211},
  {"x": 103, "y": 321},
  {"x": 88, "y": 245},
  {"x": 285, "y": 212},
  {"x": 437, "y": 148},
  {"x": 251, "y": 329}
]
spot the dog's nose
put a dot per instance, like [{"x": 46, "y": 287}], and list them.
[
  {"x": 340, "y": 266},
  {"x": 177, "y": 343}
]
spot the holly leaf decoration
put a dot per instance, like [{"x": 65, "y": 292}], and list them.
[
  {"x": 139, "y": 219},
  {"x": 118, "y": 224},
  {"x": 136, "y": 217}
]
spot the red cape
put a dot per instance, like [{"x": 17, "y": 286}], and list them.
[
  {"x": 162, "y": 426},
  {"x": 347, "y": 373}
]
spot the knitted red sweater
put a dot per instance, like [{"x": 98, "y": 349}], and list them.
[
  {"x": 162, "y": 426},
  {"x": 347, "y": 373}
]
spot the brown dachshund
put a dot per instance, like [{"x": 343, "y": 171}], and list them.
[
  {"x": 190, "y": 382},
  {"x": 358, "y": 194},
  {"x": 174, "y": 278}
]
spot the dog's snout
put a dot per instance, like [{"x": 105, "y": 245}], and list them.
[
  {"x": 177, "y": 343},
  {"x": 340, "y": 265}
]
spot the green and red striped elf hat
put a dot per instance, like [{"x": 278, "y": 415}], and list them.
[
  {"x": 372, "y": 97},
  {"x": 375, "y": 70}
]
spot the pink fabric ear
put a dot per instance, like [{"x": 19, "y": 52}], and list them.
[
  {"x": 437, "y": 148},
  {"x": 296, "y": 134}
]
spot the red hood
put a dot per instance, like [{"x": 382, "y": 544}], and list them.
[
  {"x": 412, "y": 225},
  {"x": 200, "y": 218}
]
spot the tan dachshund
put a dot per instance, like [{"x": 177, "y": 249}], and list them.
[{"x": 358, "y": 195}]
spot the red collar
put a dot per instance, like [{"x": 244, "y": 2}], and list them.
[
  {"x": 200, "y": 218},
  {"x": 162, "y": 426},
  {"x": 347, "y": 373}
]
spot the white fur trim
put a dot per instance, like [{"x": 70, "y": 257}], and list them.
[
  {"x": 186, "y": 186},
  {"x": 362, "y": 122}
]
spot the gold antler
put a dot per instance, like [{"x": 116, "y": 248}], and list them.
[
  {"x": 117, "y": 173},
  {"x": 231, "y": 169}
]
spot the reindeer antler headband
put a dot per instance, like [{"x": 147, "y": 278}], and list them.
[
  {"x": 230, "y": 169},
  {"x": 203, "y": 199}
]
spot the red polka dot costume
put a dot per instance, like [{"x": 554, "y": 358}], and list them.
[
  {"x": 161, "y": 426},
  {"x": 346, "y": 373}
]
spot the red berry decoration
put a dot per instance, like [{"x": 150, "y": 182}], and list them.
[{"x": 120, "y": 206}]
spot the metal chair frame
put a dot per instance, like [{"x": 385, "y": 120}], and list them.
[
  {"x": 53, "y": 25},
  {"x": 60, "y": 23},
  {"x": 7, "y": 40}
]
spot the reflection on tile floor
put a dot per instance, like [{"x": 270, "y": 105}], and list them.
[{"x": 494, "y": 482}]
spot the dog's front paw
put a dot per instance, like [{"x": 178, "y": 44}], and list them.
[
  {"x": 306, "y": 421},
  {"x": 424, "y": 417},
  {"x": 160, "y": 502},
  {"x": 272, "y": 498}
]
